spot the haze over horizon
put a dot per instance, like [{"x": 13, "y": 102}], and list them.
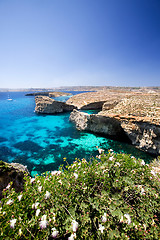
[{"x": 53, "y": 43}]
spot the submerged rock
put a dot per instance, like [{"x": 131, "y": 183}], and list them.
[
  {"x": 48, "y": 105},
  {"x": 12, "y": 172}
]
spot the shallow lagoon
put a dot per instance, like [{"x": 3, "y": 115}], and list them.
[{"x": 42, "y": 141}]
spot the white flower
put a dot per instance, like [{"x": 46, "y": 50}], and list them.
[
  {"x": 144, "y": 225},
  {"x": 35, "y": 205},
  {"x": 100, "y": 150},
  {"x": 47, "y": 195},
  {"x": 72, "y": 237},
  {"x": 32, "y": 180},
  {"x": 76, "y": 175},
  {"x": 74, "y": 225},
  {"x": 60, "y": 182},
  {"x": 20, "y": 232},
  {"x": 13, "y": 222},
  {"x": 128, "y": 218},
  {"x": 43, "y": 223},
  {"x": 143, "y": 162},
  {"x": 142, "y": 191},
  {"x": 101, "y": 228},
  {"x": 54, "y": 233},
  {"x": 153, "y": 173},
  {"x": 104, "y": 218},
  {"x": 9, "y": 202},
  {"x": 55, "y": 173},
  {"x": 8, "y": 186},
  {"x": 19, "y": 197},
  {"x": 117, "y": 164},
  {"x": 121, "y": 219},
  {"x": 111, "y": 158},
  {"x": 39, "y": 188},
  {"x": 37, "y": 212}
]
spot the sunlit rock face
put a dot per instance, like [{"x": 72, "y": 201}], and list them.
[
  {"x": 48, "y": 105},
  {"x": 98, "y": 124},
  {"x": 13, "y": 172},
  {"x": 144, "y": 135},
  {"x": 95, "y": 100},
  {"x": 139, "y": 117}
]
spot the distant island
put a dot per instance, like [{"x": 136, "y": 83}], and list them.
[{"x": 81, "y": 88}]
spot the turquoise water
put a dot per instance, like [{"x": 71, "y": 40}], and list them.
[{"x": 42, "y": 141}]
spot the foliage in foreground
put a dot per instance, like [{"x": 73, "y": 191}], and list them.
[{"x": 115, "y": 196}]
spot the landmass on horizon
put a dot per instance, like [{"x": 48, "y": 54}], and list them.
[{"x": 82, "y": 88}]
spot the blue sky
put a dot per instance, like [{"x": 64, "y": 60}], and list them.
[{"x": 52, "y": 43}]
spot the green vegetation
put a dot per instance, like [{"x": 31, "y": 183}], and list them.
[
  {"x": 3, "y": 166},
  {"x": 115, "y": 196}
]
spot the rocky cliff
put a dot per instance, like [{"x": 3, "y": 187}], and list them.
[
  {"x": 96, "y": 100},
  {"x": 136, "y": 116},
  {"x": 48, "y": 105},
  {"x": 13, "y": 172},
  {"x": 98, "y": 124}
]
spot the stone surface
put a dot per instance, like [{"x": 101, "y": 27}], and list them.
[
  {"x": 98, "y": 124},
  {"x": 13, "y": 172},
  {"x": 48, "y": 105},
  {"x": 136, "y": 115},
  {"x": 139, "y": 116},
  {"x": 95, "y": 100}
]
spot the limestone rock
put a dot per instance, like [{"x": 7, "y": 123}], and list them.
[
  {"x": 139, "y": 116},
  {"x": 95, "y": 100},
  {"x": 143, "y": 135},
  {"x": 110, "y": 104},
  {"x": 13, "y": 172},
  {"x": 48, "y": 105},
  {"x": 98, "y": 124}
]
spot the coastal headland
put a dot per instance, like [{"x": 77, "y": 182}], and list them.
[{"x": 130, "y": 113}]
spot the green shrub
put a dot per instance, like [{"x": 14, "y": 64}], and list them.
[{"x": 114, "y": 196}]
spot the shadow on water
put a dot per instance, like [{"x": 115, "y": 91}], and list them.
[{"x": 28, "y": 146}]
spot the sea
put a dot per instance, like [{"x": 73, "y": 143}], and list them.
[{"x": 44, "y": 142}]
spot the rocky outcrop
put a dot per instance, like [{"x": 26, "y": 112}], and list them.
[
  {"x": 49, "y": 94},
  {"x": 110, "y": 104},
  {"x": 48, "y": 105},
  {"x": 137, "y": 117},
  {"x": 95, "y": 100},
  {"x": 98, "y": 124},
  {"x": 13, "y": 172},
  {"x": 143, "y": 135}
]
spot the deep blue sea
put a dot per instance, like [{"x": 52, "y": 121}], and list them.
[{"x": 42, "y": 141}]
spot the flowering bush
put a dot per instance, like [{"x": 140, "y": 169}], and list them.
[{"x": 114, "y": 196}]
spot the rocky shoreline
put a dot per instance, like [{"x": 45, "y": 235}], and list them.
[
  {"x": 134, "y": 116},
  {"x": 12, "y": 172},
  {"x": 47, "y": 105}
]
